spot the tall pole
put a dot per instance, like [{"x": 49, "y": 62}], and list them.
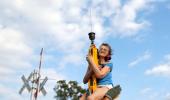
[
  {"x": 38, "y": 79},
  {"x": 36, "y": 85}
]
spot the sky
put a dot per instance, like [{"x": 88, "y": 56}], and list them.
[{"x": 137, "y": 30}]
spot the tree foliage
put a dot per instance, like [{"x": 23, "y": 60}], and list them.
[{"x": 70, "y": 90}]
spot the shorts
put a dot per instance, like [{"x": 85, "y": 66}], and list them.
[{"x": 109, "y": 86}]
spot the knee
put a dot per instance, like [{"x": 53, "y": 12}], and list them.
[
  {"x": 83, "y": 97},
  {"x": 90, "y": 98},
  {"x": 106, "y": 98}
]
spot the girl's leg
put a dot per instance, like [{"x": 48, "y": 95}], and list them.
[
  {"x": 83, "y": 97},
  {"x": 105, "y": 98},
  {"x": 98, "y": 94}
]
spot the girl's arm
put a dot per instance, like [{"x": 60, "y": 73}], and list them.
[
  {"x": 88, "y": 74},
  {"x": 98, "y": 73}
]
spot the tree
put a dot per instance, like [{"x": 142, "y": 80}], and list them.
[{"x": 70, "y": 90}]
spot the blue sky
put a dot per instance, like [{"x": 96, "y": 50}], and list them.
[{"x": 137, "y": 30}]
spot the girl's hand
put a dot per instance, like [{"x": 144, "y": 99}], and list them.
[
  {"x": 89, "y": 58},
  {"x": 89, "y": 55}
]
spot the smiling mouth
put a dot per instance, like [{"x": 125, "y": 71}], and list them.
[{"x": 101, "y": 52}]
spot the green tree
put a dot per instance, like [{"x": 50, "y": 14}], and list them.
[{"x": 70, "y": 90}]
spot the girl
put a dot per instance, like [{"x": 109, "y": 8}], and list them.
[{"x": 101, "y": 72}]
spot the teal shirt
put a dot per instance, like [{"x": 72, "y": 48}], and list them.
[{"x": 108, "y": 78}]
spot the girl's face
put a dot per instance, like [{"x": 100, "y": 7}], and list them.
[{"x": 103, "y": 51}]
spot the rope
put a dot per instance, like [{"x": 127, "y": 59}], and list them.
[{"x": 91, "y": 23}]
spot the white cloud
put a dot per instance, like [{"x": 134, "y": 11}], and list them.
[
  {"x": 37, "y": 24},
  {"x": 71, "y": 59},
  {"x": 161, "y": 69},
  {"x": 150, "y": 94},
  {"x": 145, "y": 90},
  {"x": 12, "y": 40},
  {"x": 153, "y": 94},
  {"x": 126, "y": 22},
  {"x": 15, "y": 58},
  {"x": 13, "y": 52},
  {"x": 7, "y": 93},
  {"x": 55, "y": 19},
  {"x": 53, "y": 74},
  {"x": 121, "y": 18},
  {"x": 144, "y": 57}
]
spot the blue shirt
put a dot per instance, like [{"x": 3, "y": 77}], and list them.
[{"x": 108, "y": 78}]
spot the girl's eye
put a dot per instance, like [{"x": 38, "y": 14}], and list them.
[{"x": 103, "y": 49}]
